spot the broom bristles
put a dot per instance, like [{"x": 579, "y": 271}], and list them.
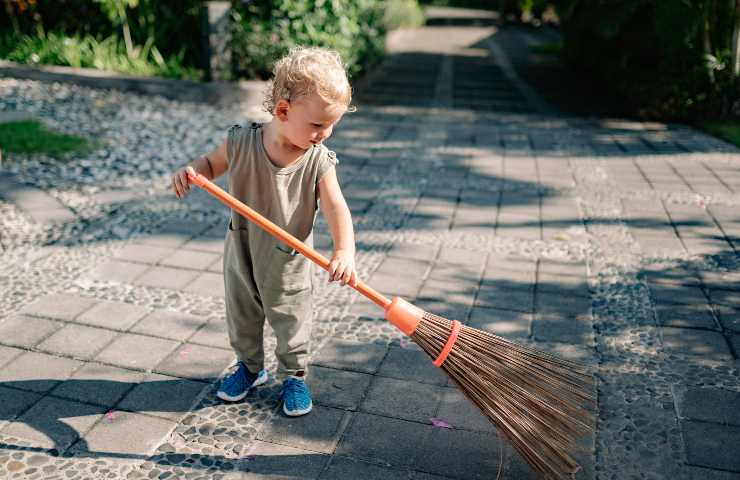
[{"x": 538, "y": 401}]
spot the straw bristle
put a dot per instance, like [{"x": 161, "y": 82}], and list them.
[{"x": 538, "y": 401}]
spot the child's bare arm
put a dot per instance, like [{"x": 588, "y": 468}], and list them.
[
  {"x": 212, "y": 165},
  {"x": 339, "y": 220}
]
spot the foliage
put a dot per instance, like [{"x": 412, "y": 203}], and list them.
[
  {"x": 548, "y": 48},
  {"x": 266, "y": 30},
  {"x": 90, "y": 52},
  {"x": 402, "y": 13},
  {"x": 32, "y": 137},
  {"x": 666, "y": 59},
  {"x": 169, "y": 29},
  {"x": 729, "y": 130}
]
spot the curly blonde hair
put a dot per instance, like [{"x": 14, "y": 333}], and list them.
[{"x": 307, "y": 70}]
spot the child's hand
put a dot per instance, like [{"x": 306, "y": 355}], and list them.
[
  {"x": 180, "y": 182},
  {"x": 342, "y": 267}
]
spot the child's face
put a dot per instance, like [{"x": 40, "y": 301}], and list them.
[{"x": 309, "y": 120}]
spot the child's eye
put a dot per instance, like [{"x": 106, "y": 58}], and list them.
[{"x": 317, "y": 125}]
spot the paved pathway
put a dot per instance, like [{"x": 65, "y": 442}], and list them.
[{"x": 611, "y": 242}]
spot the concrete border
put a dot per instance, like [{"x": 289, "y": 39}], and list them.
[{"x": 246, "y": 93}]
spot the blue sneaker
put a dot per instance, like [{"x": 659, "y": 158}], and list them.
[
  {"x": 234, "y": 387},
  {"x": 296, "y": 397}
]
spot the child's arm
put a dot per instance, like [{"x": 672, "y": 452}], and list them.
[
  {"x": 211, "y": 165},
  {"x": 339, "y": 219}
]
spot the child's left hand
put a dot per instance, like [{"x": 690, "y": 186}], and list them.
[{"x": 342, "y": 267}]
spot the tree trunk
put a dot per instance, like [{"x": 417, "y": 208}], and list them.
[
  {"x": 736, "y": 42},
  {"x": 11, "y": 15},
  {"x": 707, "y": 43}
]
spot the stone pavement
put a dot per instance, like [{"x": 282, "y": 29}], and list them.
[{"x": 611, "y": 242}]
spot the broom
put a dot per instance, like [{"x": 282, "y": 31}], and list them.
[{"x": 537, "y": 400}]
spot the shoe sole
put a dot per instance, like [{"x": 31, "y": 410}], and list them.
[
  {"x": 297, "y": 413},
  {"x": 261, "y": 380}
]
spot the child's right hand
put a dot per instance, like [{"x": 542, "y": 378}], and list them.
[{"x": 180, "y": 182}]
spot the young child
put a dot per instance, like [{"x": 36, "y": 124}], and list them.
[{"x": 281, "y": 169}]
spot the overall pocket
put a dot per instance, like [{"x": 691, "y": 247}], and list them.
[{"x": 287, "y": 270}]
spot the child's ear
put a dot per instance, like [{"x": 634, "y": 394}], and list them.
[{"x": 281, "y": 110}]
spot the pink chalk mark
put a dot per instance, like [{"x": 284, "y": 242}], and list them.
[{"x": 438, "y": 422}]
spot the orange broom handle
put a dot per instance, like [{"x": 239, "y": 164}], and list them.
[{"x": 281, "y": 234}]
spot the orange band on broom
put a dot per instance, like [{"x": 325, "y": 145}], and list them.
[{"x": 538, "y": 401}]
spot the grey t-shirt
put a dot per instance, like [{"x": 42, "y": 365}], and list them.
[{"x": 287, "y": 196}]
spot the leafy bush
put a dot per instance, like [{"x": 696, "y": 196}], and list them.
[
  {"x": 265, "y": 31},
  {"x": 90, "y": 52},
  {"x": 402, "y": 13},
  {"x": 666, "y": 59}
]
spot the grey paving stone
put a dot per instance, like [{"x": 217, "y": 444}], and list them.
[
  {"x": 696, "y": 344},
  {"x": 406, "y": 268},
  {"x": 213, "y": 334},
  {"x": 505, "y": 323},
  {"x": 411, "y": 364},
  {"x": 405, "y": 400},
  {"x": 193, "y": 260},
  {"x": 271, "y": 460},
  {"x": 455, "y": 293},
  {"x": 342, "y": 468},
  {"x": 729, "y": 298},
  {"x": 393, "y": 284},
  {"x": 77, "y": 341},
  {"x": 443, "y": 308},
  {"x": 14, "y": 403},
  {"x": 163, "y": 396},
  {"x": 503, "y": 270},
  {"x": 149, "y": 254},
  {"x": 460, "y": 256},
  {"x": 98, "y": 384},
  {"x": 113, "y": 315},
  {"x": 707, "y": 445},
  {"x": 166, "y": 277},
  {"x": 481, "y": 459},
  {"x": 349, "y": 355},
  {"x": 54, "y": 213},
  {"x": 168, "y": 324},
  {"x": 196, "y": 362},
  {"x": 668, "y": 294},
  {"x": 383, "y": 440},
  {"x": 136, "y": 351},
  {"x": 217, "y": 266},
  {"x": 54, "y": 423},
  {"x": 715, "y": 405},
  {"x": 565, "y": 305},
  {"x": 563, "y": 285},
  {"x": 409, "y": 250},
  {"x": 563, "y": 327},
  {"x": 37, "y": 372},
  {"x": 318, "y": 431},
  {"x": 27, "y": 332},
  {"x": 142, "y": 434},
  {"x": 206, "y": 243},
  {"x": 208, "y": 285},
  {"x": 165, "y": 239},
  {"x": 8, "y": 353},
  {"x": 337, "y": 388},
  {"x": 491, "y": 296},
  {"x": 60, "y": 306},
  {"x": 461, "y": 413},
  {"x": 117, "y": 271},
  {"x": 688, "y": 316}
]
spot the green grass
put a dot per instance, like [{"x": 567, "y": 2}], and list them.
[
  {"x": 30, "y": 136},
  {"x": 727, "y": 130},
  {"x": 548, "y": 48}
]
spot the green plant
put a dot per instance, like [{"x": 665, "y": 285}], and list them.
[
  {"x": 31, "y": 137},
  {"x": 264, "y": 31},
  {"x": 548, "y": 48},
  {"x": 89, "y": 52},
  {"x": 402, "y": 13},
  {"x": 729, "y": 131}
]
